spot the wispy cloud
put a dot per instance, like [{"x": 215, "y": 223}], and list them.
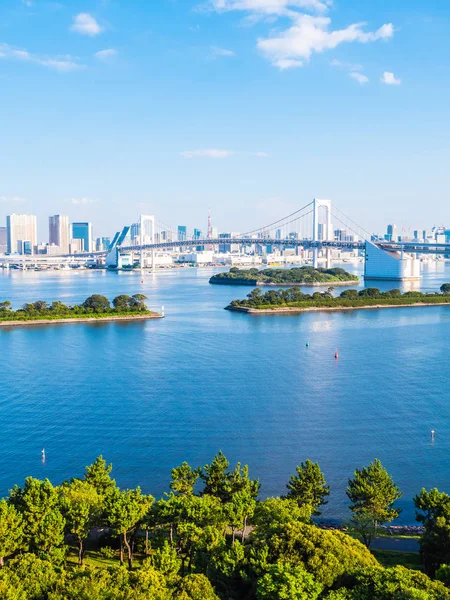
[
  {"x": 207, "y": 153},
  {"x": 359, "y": 77},
  {"x": 11, "y": 199},
  {"x": 390, "y": 79},
  {"x": 216, "y": 51},
  {"x": 260, "y": 154},
  {"x": 214, "y": 153},
  {"x": 82, "y": 201},
  {"x": 63, "y": 64},
  {"x": 85, "y": 24},
  {"x": 307, "y": 34},
  {"x": 106, "y": 56},
  {"x": 269, "y": 7},
  {"x": 27, "y": 3}
]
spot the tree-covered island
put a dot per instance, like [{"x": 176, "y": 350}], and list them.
[
  {"x": 294, "y": 300},
  {"x": 285, "y": 277},
  {"x": 94, "y": 307},
  {"x": 211, "y": 537}
]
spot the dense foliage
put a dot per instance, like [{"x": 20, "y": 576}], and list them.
[
  {"x": 304, "y": 275},
  {"x": 295, "y": 298},
  {"x": 94, "y": 306},
  {"x": 195, "y": 542}
]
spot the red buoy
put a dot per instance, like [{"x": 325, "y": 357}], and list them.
[{"x": 336, "y": 355}]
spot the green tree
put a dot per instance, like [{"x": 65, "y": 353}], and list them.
[
  {"x": 38, "y": 576},
  {"x": 58, "y": 307},
  {"x": 122, "y": 302},
  {"x": 433, "y": 511},
  {"x": 284, "y": 581},
  {"x": 373, "y": 492},
  {"x": 97, "y": 303},
  {"x": 40, "y": 306},
  {"x": 279, "y": 511},
  {"x": 125, "y": 511},
  {"x": 216, "y": 479},
  {"x": 137, "y": 302},
  {"x": 5, "y": 306},
  {"x": 98, "y": 475},
  {"x": 38, "y": 504},
  {"x": 445, "y": 288},
  {"x": 11, "y": 530},
  {"x": 308, "y": 487},
  {"x": 81, "y": 506},
  {"x": 196, "y": 587},
  {"x": 184, "y": 479}
]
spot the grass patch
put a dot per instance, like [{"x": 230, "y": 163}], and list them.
[{"x": 392, "y": 558}]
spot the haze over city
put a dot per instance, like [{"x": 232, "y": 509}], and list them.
[{"x": 112, "y": 109}]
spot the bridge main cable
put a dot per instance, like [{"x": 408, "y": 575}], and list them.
[{"x": 277, "y": 222}]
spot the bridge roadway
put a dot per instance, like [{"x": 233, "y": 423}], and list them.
[{"x": 412, "y": 247}]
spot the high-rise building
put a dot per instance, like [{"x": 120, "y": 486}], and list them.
[
  {"x": 83, "y": 232},
  {"x": 182, "y": 233},
  {"x": 102, "y": 244},
  {"x": 3, "y": 240},
  {"x": 59, "y": 232},
  {"x": 21, "y": 233},
  {"x": 391, "y": 234}
]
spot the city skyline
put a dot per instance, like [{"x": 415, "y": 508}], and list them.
[{"x": 174, "y": 108}]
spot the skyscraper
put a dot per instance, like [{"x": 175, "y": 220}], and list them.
[
  {"x": 182, "y": 233},
  {"x": 59, "y": 233},
  {"x": 3, "y": 240},
  {"x": 21, "y": 233},
  {"x": 392, "y": 233},
  {"x": 83, "y": 232}
]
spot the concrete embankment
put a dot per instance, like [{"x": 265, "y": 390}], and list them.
[
  {"x": 292, "y": 310},
  {"x": 145, "y": 317}
]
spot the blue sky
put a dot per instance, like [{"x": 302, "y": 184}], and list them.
[{"x": 251, "y": 108}]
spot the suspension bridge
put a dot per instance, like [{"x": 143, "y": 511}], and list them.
[{"x": 318, "y": 227}]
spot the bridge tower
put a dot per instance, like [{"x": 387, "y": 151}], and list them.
[{"x": 327, "y": 233}]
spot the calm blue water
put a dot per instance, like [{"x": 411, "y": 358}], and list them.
[{"x": 150, "y": 395}]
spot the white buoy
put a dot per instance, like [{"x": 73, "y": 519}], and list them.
[
  {"x": 43, "y": 454},
  {"x": 432, "y": 435}
]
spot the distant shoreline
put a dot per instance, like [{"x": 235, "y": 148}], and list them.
[
  {"x": 298, "y": 310},
  {"x": 66, "y": 321},
  {"x": 252, "y": 282}
]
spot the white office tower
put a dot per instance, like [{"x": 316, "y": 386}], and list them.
[
  {"x": 21, "y": 233},
  {"x": 59, "y": 233},
  {"x": 393, "y": 265}
]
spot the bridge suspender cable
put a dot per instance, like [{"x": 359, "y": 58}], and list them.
[{"x": 279, "y": 221}]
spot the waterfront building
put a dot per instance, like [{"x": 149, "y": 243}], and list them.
[
  {"x": 76, "y": 246},
  {"x": 102, "y": 244},
  {"x": 3, "y": 240},
  {"x": 83, "y": 232},
  {"x": 182, "y": 233},
  {"x": 59, "y": 232},
  {"x": 21, "y": 233}
]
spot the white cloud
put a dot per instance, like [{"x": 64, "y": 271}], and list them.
[
  {"x": 27, "y": 3},
  {"x": 106, "y": 55},
  {"x": 359, "y": 77},
  {"x": 390, "y": 79},
  {"x": 63, "y": 64},
  {"x": 260, "y": 154},
  {"x": 216, "y": 51},
  {"x": 10, "y": 199},
  {"x": 85, "y": 24},
  {"x": 270, "y": 7},
  {"x": 311, "y": 34},
  {"x": 207, "y": 153},
  {"x": 82, "y": 201},
  {"x": 307, "y": 34}
]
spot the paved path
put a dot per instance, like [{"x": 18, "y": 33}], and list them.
[{"x": 396, "y": 544}]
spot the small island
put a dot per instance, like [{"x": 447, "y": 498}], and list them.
[
  {"x": 94, "y": 308},
  {"x": 295, "y": 301},
  {"x": 297, "y": 276}
]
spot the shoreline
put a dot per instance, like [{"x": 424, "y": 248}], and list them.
[
  {"x": 298, "y": 310},
  {"x": 242, "y": 282},
  {"x": 70, "y": 320}
]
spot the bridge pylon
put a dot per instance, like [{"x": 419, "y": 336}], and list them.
[{"x": 327, "y": 233}]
